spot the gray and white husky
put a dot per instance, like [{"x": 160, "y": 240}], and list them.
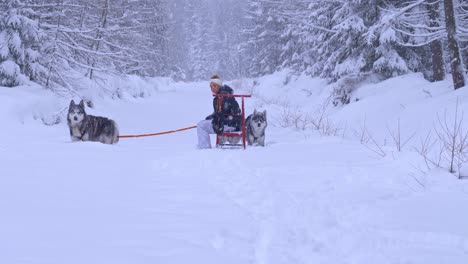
[
  {"x": 84, "y": 127},
  {"x": 256, "y": 124}
]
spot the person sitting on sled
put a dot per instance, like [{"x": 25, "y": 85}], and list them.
[{"x": 225, "y": 117}]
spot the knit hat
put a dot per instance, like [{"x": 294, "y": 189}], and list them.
[{"x": 216, "y": 79}]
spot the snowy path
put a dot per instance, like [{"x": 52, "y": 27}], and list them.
[{"x": 159, "y": 200}]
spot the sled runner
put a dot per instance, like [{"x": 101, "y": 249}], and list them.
[{"x": 224, "y": 139}]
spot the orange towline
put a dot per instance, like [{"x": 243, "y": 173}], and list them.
[{"x": 156, "y": 134}]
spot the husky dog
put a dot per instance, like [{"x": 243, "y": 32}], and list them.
[
  {"x": 84, "y": 127},
  {"x": 256, "y": 124}
]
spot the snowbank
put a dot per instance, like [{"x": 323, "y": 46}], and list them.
[
  {"x": 303, "y": 198},
  {"x": 399, "y": 112},
  {"x": 32, "y": 103}
]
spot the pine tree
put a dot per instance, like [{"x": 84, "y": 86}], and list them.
[
  {"x": 98, "y": 38},
  {"x": 224, "y": 38},
  {"x": 332, "y": 39},
  {"x": 295, "y": 40},
  {"x": 63, "y": 24},
  {"x": 196, "y": 28},
  {"x": 19, "y": 38},
  {"x": 412, "y": 29},
  {"x": 177, "y": 61},
  {"x": 142, "y": 31},
  {"x": 312, "y": 22}
]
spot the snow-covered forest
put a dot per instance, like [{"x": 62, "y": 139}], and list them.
[
  {"x": 361, "y": 152},
  {"x": 54, "y": 42}
]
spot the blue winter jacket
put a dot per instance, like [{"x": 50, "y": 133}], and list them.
[{"x": 226, "y": 111}]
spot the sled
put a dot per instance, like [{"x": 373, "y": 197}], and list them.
[{"x": 242, "y": 133}]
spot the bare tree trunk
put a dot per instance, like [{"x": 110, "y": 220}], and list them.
[
  {"x": 54, "y": 50},
  {"x": 99, "y": 34},
  {"x": 464, "y": 45},
  {"x": 455, "y": 61},
  {"x": 438, "y": 66},
  {"x": 83, "y": 16}
]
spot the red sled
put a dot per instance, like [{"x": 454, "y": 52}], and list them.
[{"x": 241, "y": 133}]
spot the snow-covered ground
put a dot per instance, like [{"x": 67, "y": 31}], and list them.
[{"x": 304, "y": 198}]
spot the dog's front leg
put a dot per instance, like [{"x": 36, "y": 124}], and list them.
[
  {"x": 250, "y": 139},
  {"x": 261, "y": 141},
  {"x": 85, "y": 137},
  {"x": 74, "y": 139}
]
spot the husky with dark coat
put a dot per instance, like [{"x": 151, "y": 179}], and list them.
[
  {"x": 256, "y": 124},
  {"x": 84, "y": 127}
]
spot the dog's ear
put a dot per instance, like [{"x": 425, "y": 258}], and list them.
[
  {"x": 264, "y": 113},
  {"x": 82, "y": 103},
  {"x": 72, "y": 103},
  {"x": 255, "y": 111}
]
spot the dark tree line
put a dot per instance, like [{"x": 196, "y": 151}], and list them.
[
  {"x": 333, "y": 39},
  {"x": 55, "y": 42}
]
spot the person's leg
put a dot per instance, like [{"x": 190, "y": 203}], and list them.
[{"x": 204, "y": 129}]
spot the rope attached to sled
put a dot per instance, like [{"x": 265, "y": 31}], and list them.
[{"x": 157, "y": 134}]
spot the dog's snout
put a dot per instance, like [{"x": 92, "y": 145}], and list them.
[
  {"x": 75, "y": 118},
  {"x": 259, "y": 124}
]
